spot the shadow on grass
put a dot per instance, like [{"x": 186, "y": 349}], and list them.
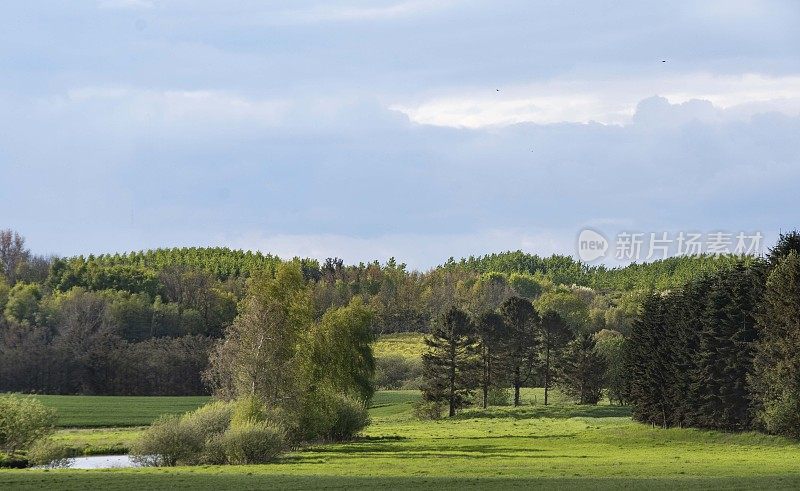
[
  {"x": 553, "y": 411},
  {"x": 256, "y": 478}
]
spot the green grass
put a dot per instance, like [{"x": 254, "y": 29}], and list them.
[
  {"x": 405, "y": 344},
  {"x": 533, "y": 446},
  {"x": 112, "y": 411}
]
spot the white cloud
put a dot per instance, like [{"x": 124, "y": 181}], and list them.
[{"x": 604, "y": 101}]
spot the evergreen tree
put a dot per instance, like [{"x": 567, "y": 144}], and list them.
[
  {"x": 646, "y": 390},
  {"x": 582, "y": 370},
  {"x": 492, "y": 337},
  {"x": 787, "y": 243},
  {"x": 775, "y": 382},
  {"x": 725, "y": 353},
  {"x": 451, "y": 365},
  {"x": 522, "y": 324}
]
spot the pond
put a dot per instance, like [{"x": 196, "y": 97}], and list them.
[{"x": 102, "y": 462}]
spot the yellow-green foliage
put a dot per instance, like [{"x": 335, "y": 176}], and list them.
[{"x": 405, "y": 344}]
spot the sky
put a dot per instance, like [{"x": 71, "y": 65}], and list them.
[{"x": 415, "y": 129}]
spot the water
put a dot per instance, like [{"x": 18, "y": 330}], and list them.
[{"x": 103, "y": 462}]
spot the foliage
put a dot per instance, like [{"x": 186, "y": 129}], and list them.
[
  {"x": 582, "y": 370},
  {"x": 252, "y": 443},
  {"x": 428, "y": 410},
  {"x": 338, "y": 352},
  {"x": 394, "y": 371},
  {"x": 690, "y": 351},
  {"x": 522, "y": 324},
  {"x": 167, "y": 442},
  {"x": 611, "y": 347},
  {"x": 258, "y": 354},
  {"x": 23, "y": 421},
  {"x": 22, "y": 304},
  {"x": 499, "y": 396},
  {"x": 450, "y": 365},
  {"x": 48, "y": 453},
  {"x": 555, "y": 334},
  {"x": 775, "y": 380}
]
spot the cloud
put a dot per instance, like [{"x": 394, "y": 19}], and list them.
[{"x": 608, "y": 102}]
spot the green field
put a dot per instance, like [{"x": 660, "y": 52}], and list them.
[
  {"x": 111, "y": 411},
  {"x": 561, "y": 445},
  {"x": 405, "y": 344}
]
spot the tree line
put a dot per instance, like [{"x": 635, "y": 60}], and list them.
[
  {"x": 723, "y": 351},
  {"x": 514, "y": 346},
  {"x": 149, "y": 319}
]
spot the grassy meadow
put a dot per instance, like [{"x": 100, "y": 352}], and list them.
[
  {"x": 117, "y": 411},
  {"x": 561, "y": 445},
  {"x": 405, "y": 344}
]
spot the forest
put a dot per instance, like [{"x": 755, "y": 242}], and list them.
[{"x": 144, "y": 323}]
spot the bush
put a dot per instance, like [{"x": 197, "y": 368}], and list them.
[
  {"x": 395, "y": 371},
  {"x": 782, "y": 415},
  {"x": 499, "y": 397},
  {"x": 350, "y": 418},
  {"x": 329, "y": 416},
  {"x": 428, "y": 410},
  {"x": 49, "y": 454},
  {"x": 217, "y": 433},
  {"x": 167, "y": 442},
  {"x": 252, "y": 443},
  {"x": 23, "y": 421},
  {"x": 211, "y": 419},
  {"x": 248, "y": 410}
]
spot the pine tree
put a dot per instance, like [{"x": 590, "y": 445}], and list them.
[
  {"x": 647, "y": 392},
  {"x": 725, "y": 353},
  {"x": 522, "y": 323},
  {"x": 492, "y": 337},
  {"x": 775, "y": 382},
  {"x": 451, "y": 365}
]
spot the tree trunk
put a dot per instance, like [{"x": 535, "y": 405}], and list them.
[
  {"x": 452, "y": 379},
  {"x": 487, "y": 370},
  {"x": 546, "y": 372},
  {"x": 517, "y": 384}
]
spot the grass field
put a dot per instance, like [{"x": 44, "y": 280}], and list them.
[
  {"x": 405, "y": 344},
  {"x": 115, "y": 411},
  {"x": 561, "y": 445}
]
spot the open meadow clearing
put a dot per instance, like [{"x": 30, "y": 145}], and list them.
[{"x": 532, "y": 446}]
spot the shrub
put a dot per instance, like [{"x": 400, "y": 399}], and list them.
[
  {"x": 248, "y": 410},
  {"x": 414, "y": 383},
  {"x": 350, "y": 418},
  {"x": 50, "y": 454},
  {"x": 782, "y": 415},
  {"x": 328, "y": 416},
  {"x": 395, "y": 371},
  {"x": 252, "y": 443},
  {"x": 428, "y": 410},
  {"x": 167, "y": 442},
  {"x": 211, "y": 419},
  {"x": 23, "y": 421},
  {"x": 499, "y": 397}
]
